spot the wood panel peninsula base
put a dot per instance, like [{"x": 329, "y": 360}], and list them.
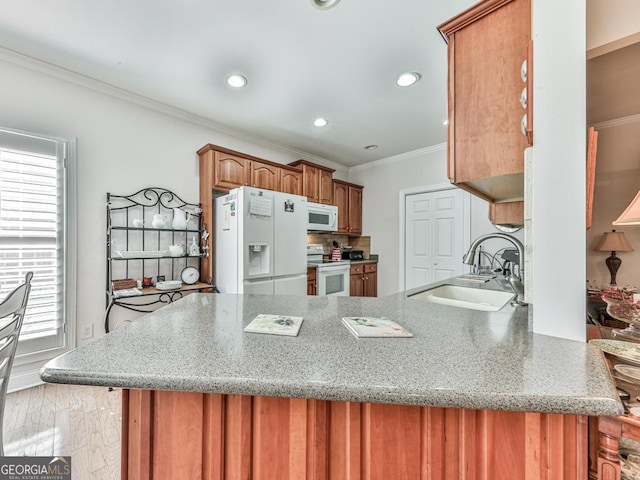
[{"x": 185, "y": 435}]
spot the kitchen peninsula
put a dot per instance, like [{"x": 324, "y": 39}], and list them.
[{"x": 472, "y": 392}]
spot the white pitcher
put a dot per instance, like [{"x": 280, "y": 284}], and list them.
[
  {"x": 159, "y": 220},
  {"x": 180, "y": 219}
]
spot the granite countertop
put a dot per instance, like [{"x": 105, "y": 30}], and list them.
[{"x": 457, "y": 357}]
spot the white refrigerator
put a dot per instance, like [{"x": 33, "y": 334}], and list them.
[{"x": 260, "y": 242}]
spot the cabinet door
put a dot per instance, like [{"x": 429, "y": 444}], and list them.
[
  {"x": 356, "y": 286},
  {"x": 311, "y": 281},
  {"x": 290, "y": 182},
  {"x": 487, "y": 46},
  {"x": 230, "y": 171},
  {"x": 325, "y": 186},
  {"x": 371, "y": 284},
  {"x": 341, "y": 200},
  {"x": 488, "y": 54},
  {"x": 310, "y": 183},
  {"x": 265, "y": 176},
  {"x": 355, "y": 211}
]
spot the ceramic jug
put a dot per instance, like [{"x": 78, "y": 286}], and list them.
[
  {"x": 159, "y": 220},
  {"x": 180, "y": 219}
]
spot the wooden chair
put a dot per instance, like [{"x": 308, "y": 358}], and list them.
[{"x": 12, "y": 311}]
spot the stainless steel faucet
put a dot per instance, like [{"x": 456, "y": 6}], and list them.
[{"x": 516, "y": 281}]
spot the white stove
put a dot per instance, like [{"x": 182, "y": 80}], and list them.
[
  {"x": 315, "y": 251},
  {"x": 332, "y": 277}
]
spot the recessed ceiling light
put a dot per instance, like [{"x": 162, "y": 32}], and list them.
[
  {"x": 236, "y": 80},
  {"x": 371, "y": 147},
  {"x": 407, "y": 79},
  {"x": 320, "y": 122},
  {"x": 324, "y": 4}
]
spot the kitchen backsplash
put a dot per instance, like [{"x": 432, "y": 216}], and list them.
[{"x": 326, "y": 239}]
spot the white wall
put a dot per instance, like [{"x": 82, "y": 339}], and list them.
[
  {"x": 609, "y": 21},
  {"x": 382, "y": 181},
  {"x": 617, "y": 182},
  {"x": 121, "y": 148}
]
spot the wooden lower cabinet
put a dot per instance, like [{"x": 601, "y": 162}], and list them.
[
  {"x": 363, "y": 280},
  {"x": 312, "y": 286},
  {"x": 370, "y": 280},
  {"x": 185, "y": 435}
]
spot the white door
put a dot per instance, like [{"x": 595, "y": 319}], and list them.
[
  {"x": 434, "y": 224},
  {"x": 290, "y": 234}
]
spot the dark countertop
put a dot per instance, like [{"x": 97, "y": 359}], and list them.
[
  {"x": 457, "y": 358},
  {"x": 352, "y": 262}
]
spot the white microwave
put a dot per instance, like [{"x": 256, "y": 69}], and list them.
[{"x": 322, "y": 218}]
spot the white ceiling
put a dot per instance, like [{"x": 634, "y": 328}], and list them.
[{"x": 301, "y": 63}]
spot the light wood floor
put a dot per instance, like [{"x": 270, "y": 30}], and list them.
[{"x": 80, "y": 421}]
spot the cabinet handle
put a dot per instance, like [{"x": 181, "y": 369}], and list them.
[
  {"x": 523, "y": 98},
  {"x": 523, "y": 125}
]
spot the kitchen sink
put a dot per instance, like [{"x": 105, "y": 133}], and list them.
[{"x": 466, "y": 297}]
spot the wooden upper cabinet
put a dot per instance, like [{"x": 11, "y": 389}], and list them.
[
  {"x": 510, "y": 213},
  {"x": 310, "y": 183},
  {"x": 348, "y": 198},
  {"x": 265, "y": 176},
  {"x": 355, "y": 210},
  {"x": 341, "y": 200},
  {"x": 230, "y": 171},
  {"x": 487, "y": 45},
  {"x": 224, "y": 169},
  {"x": 325, "y": 186},
  {"x": 291, "y": 181},
  {"x": 317, "y": 181}
]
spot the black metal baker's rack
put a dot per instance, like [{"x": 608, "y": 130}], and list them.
[{"x": 135, "y": 252}]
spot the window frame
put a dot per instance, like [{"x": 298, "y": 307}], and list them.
[{"x": 26, "y": 367}]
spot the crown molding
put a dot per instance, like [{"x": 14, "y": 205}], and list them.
[
  {"x": 400, "y": 157},
  {"x": 616, "y": 122},
  {"x": 613, "y": 46},
  {"x": 17, "y": 58}
]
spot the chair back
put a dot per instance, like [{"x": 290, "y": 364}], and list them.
[{"x": 12, "y": 311}]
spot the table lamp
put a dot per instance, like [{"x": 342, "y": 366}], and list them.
[
  {"x": 613, "y": 242},
  {"x": 631, "y": 215}
]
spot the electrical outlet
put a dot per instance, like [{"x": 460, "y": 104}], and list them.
[{"x": 87, "y": 332}]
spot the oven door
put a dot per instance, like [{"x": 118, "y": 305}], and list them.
[{"x": 333, "y": 280}]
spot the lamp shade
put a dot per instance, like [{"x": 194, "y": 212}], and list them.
[
  {"x": 631, "y": 215},
  {"x": 614, "y": 242}
]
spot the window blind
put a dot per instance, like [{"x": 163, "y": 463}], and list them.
[{"x": 32, "y": 219}]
